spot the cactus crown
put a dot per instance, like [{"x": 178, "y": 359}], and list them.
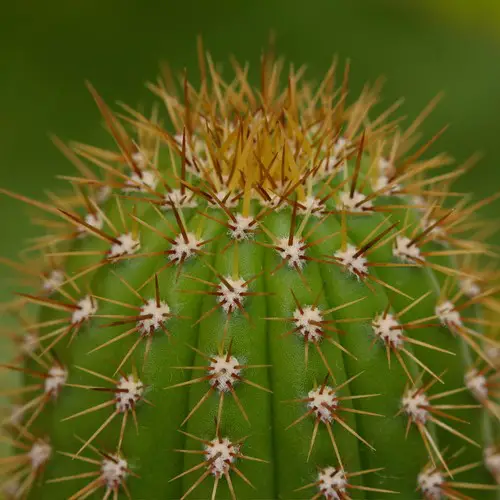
[{"x": 274, "y": 295}]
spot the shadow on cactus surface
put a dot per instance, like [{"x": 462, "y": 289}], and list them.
[{"x": 258, "y": 293}]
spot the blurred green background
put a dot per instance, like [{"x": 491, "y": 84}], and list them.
[{"x": 48, "y": 49}]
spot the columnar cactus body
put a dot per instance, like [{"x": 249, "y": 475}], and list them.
[{"x": 270, "y": 298}]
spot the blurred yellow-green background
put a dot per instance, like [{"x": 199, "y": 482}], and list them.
[{"x": 48, "y": 49}]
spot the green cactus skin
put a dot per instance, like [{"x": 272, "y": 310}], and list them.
[{"x": 271, "y": 297}]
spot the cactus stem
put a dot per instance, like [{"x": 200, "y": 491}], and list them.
[{"x": 306, "y": 192}]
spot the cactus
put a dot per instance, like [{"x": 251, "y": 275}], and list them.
[{"x": 273, "y": 294}]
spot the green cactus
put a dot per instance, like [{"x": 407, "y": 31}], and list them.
[{"x": 273, "y": 294}]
